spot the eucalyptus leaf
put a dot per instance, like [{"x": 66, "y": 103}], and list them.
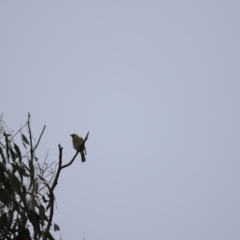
[
  {"x": 42, "y": 178},
  {"x": 2, "y": 155},
  {"x": 25, "y": 140},
  {"x": 42, "y": 214},
  {"x": 56, "y": 227},
  {"x": 13, "y": 154},
  {"x": 18, "y": 152}
]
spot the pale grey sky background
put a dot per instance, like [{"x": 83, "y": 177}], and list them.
[{"x": 157, "y": 84}]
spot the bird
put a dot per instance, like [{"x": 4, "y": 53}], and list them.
[{"x": 77, "y": 145}]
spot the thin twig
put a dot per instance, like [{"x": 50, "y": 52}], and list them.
[
  {"x": 39, "y": 138},
  {"x": 18, "y": 131},
  {"x": 30, "y": 136},
  {"x": 68, "y": 164},
  {"x": 14, "y": 134}
]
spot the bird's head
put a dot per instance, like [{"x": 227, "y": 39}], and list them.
[{"x": 73, "y": 135}]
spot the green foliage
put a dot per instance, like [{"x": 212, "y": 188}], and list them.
[{"x": 26, "y": 192}]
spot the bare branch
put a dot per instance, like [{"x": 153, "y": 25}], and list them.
[
  {"x": 55, "y": 182},
  {"x": 68, "y": 164},
  {"x": 30, "y": 136},
  {"x": 39, "y": 138},
  {"x": 18, "y": 131}
]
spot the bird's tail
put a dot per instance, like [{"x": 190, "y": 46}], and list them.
[{"x": 83, "y": 156}]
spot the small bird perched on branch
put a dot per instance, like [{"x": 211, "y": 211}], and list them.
[{"x": 78, "y": 146}]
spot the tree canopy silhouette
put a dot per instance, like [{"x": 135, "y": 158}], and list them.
[{"x": 27, "y": 185}]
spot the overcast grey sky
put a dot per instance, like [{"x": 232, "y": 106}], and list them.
[{"x": 157, "y": 84}]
